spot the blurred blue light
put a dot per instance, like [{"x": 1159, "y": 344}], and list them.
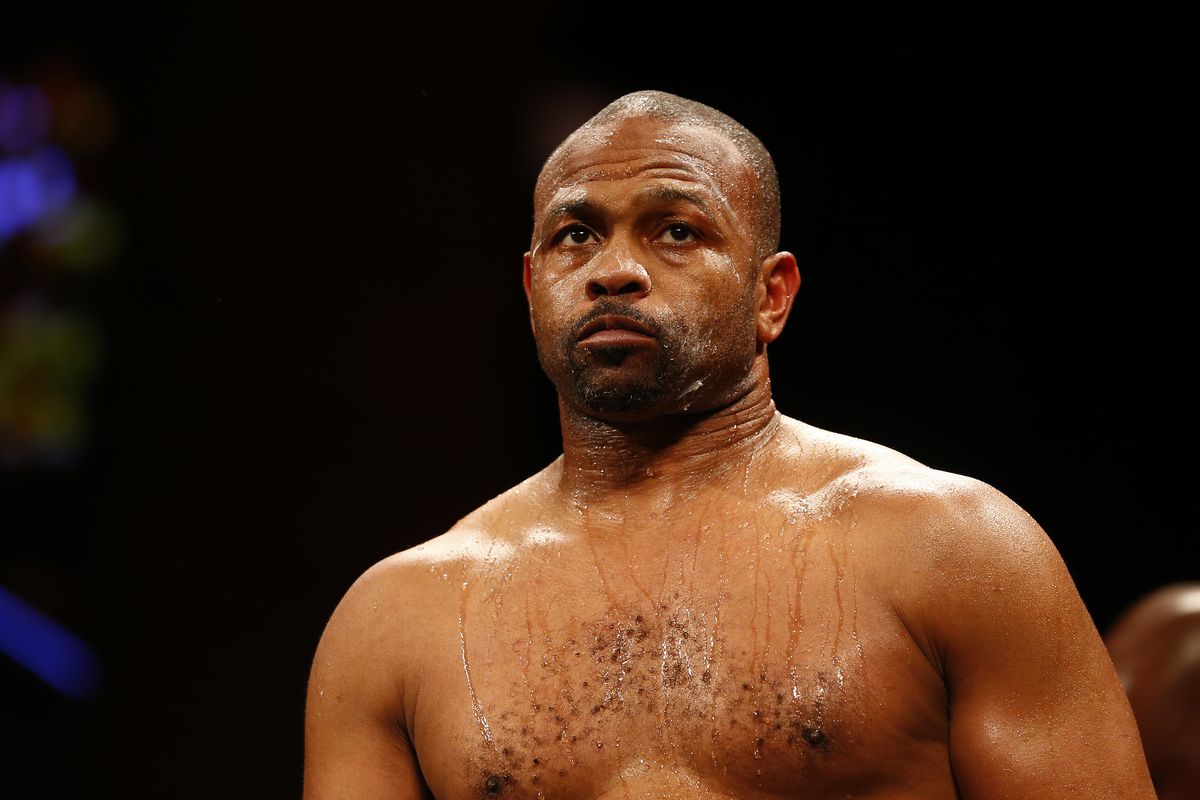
[
  {"x": 33, "y": 187},
  {"x": 49, "y": 651}
]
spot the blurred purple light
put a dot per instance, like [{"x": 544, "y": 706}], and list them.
[
  {"x": 33, "y": 187},
  {"x": 24, "y": 117}
]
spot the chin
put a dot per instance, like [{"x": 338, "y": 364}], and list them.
[
  {"x": 616, "y": 380},
  {"x": 623, "y": 400}
]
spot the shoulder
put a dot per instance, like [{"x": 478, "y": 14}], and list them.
[
  {"x": 420, "y": 579},
  {"x": 935, "y": 539},
  {"x": 984, "y": 595},
  {"x": 1162, "y": 607},
  {"x": 387, "y": 616},
  {"x": 1156, "y": 642},
  {"x": 938, "y": 511}
]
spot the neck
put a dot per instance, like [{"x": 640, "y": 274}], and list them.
[{"x": 667, "y": 457}]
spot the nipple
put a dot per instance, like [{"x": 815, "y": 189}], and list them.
[{"x": 494, "y": 783}]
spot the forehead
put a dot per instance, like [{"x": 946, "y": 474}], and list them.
[{"x": 648, "y": 150}]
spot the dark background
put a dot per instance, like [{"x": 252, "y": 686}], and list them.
[{"x": 317, "y": 348}]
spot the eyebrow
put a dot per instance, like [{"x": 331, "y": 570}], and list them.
[
  {"x": 573, "y": 208},
  {"x": 671, "y": 194},
  {"x": 668, "y": 194}
]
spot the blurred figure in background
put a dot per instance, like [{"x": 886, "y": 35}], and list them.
[{"x": 1155, "y": 646}]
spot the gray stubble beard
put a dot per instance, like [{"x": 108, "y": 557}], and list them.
[{"x": 618, "y": 396}]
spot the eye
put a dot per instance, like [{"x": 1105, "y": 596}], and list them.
[
  {"x": 574, "y": 235},
  {"x": 677, "y": 233}
]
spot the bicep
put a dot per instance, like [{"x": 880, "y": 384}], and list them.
[
  {"x": 355, "y": 745},
  {"x": 1036, "y": 710},
  {"x": 354, "y": 756}
]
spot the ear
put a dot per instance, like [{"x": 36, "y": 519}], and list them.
[
  {"x": 779, "y": 280},
  {"x": 527, "y": 280}
]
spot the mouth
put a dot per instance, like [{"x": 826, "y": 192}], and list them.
[{"x": 614, "y": 330}]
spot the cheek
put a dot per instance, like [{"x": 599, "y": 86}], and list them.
[
  {"x": 553, "y": 308},
  {"x": 554, "y": 293},
  {"x": 728, "y": 331},
  {"x": 716, "y": 299}
]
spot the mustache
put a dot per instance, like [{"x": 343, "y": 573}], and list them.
[{"x": 604, "y": 307}]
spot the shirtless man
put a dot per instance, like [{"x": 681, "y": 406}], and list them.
[{"x": 702, "y": 598}]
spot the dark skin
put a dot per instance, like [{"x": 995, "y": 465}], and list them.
[
  {"x": 1156, "y": 648},
  {"x": 703, "y": 598}
]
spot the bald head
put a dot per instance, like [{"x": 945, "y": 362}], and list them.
[{"x": 674, "y": 110}]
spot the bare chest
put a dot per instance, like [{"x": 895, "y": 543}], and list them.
[{"x": 758, "y": 662}]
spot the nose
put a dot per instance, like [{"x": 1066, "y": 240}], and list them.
[{"x": 618, "y": 274}]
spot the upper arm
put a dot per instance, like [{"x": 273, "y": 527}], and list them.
[
  {"x": 355, "y": 743},
  {"x": 1036, "y": 710}
]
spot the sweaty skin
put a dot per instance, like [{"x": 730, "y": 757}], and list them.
[{"x": 703, "y": 598}]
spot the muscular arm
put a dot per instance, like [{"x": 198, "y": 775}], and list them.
[
  {"x": 1036, "y": 711},
  {"x": 355, "y": 744}
]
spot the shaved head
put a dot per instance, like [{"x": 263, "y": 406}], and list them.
[{"x": 674, "y": 110}]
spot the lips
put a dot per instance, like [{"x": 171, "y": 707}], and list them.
[{"x": 613, "y": 330}]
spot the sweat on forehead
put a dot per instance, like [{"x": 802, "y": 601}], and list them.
[{"x": 688, "y": 126}]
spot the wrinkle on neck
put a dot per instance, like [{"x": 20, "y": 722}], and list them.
[{"x": 667, "y": 458}]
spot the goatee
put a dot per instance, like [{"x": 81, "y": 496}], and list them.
[{"x": 602, "y": 380}]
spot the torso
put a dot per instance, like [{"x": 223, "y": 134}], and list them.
[{"x": 744, "y": 645}]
